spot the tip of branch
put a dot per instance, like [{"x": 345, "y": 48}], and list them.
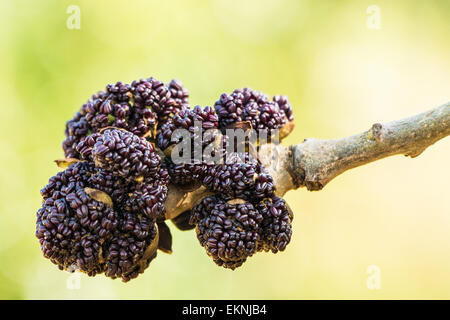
[{"x": 415, "y": 153}]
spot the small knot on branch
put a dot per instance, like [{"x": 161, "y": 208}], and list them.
[{"x": 377, "y": 131}]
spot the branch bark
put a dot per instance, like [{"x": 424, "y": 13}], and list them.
[{"x": 315, "y": 162}]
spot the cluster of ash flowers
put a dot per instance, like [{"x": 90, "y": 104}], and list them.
[
  {"x": 105, "y": 212},
  {"x": 233, "y": 230},
  {"x": 243, "y": 216},
  {"x": 140, "y": 108},
  {"x": 185, "y": 138},
  {"x": 255, "y": 108},
  {"x": 100, "y": 214}
]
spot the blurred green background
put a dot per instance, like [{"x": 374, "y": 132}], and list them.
[{"x": 340, "y": 75}]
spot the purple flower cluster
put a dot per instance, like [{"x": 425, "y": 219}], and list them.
[
  {"x": 139, "y": 108},
  {"x": 201, "y": 136},
  {"x": 239, "y": 175},
  {"x": 233, "y": 230},
  {"x": 105, "y": 212},
  {"x": 99, "y": 215},
  {"x": 254, "y": 107},
  {"x": 77, "y": 230}
]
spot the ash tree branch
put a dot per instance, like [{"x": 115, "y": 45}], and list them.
[{"x": 315, "y": 162}]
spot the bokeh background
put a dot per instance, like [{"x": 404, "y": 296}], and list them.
[{"x": 341, "y": 77}]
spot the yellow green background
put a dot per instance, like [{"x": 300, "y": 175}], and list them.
[{"x": 340, "y": 76}]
